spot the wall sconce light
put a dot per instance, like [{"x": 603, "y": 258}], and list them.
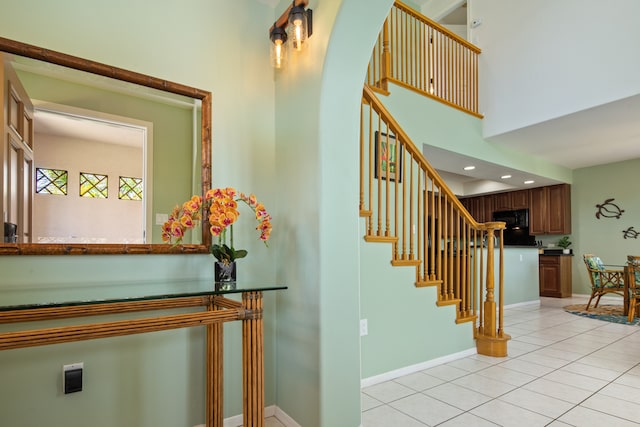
[
  {"x": 295, "y": 24},
  {"x": 301, "y": 22},
  {"x": 278, "y": 54}
]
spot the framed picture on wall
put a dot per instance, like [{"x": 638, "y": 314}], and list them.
[{"x": 388, "y": 157}]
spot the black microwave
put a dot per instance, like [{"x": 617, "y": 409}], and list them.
[{"x": 514, "y": 219}]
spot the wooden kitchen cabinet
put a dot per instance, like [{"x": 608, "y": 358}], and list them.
[
  {"x": 488, "y": 207},
  {"x": 511, "y": 200},
  {"x": 555, "y": 275},
  {"x": 550, "y": 210},
  {"x": 538, "y": 211},
  {"x": 503, "y": 201},
  {"x": 549, "y": 207},
  {"x": 520, "y": 199},
  {"x": 559, "y": 209},
  {"x": 481, "y": 207}
]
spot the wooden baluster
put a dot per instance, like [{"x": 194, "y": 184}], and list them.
[
  {"x": 411, "y": 213},
  {"x": 421, "y": 233},
  {"x": 370, "y": 171},
  {"x": 436, "y": 247},
  {"x": 386, "y": 57},
  {"x": 387, "y": 191},
  {"x": 501, "y": 289},
  {"x": 395, "y": 73},
  {"x": 361, "y": 205},
  {"x": 396, "y": 197},
  {"x": 379, "y": 182}
]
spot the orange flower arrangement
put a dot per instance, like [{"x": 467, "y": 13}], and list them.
[{"x": 223, "y": 213}]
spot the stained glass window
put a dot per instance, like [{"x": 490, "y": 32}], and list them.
[
  {"x": 130, "y": 188},
  {"x": 51, "y": 181},
  {"x": 94, "y": 185}
]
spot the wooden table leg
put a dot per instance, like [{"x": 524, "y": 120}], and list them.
[
  {"x": 253, "y": 360},
  {"x": 627, "y": 278},
  {"x": 214, "y": 414}
]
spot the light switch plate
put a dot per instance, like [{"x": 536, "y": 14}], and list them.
[
  {"x": 161, "y": 218},
  {"x": 364, "y": 327}
]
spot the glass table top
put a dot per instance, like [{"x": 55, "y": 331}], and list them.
[{"x": 68, "y": 295}]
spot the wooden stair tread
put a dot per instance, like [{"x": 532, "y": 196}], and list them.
[
  {"x": 467, "y": 319},
  {"x": 380, "y": 239},
  {"x": 405, "y": 262},
  {"x": 442, "y": 303},
  {"x": 425, "y": 283}
]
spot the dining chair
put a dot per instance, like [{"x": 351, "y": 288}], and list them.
[
  {"x": 633, "y": 282},
  {"x": 603, "y": 280}
]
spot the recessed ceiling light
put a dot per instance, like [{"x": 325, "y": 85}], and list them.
[
  {"x": 529, "y": 181},
  {"x": 505, "y": 176},
  {"x": 469, "y": 168}
]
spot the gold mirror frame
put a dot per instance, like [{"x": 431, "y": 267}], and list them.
[{"x": 42, "y": 54}]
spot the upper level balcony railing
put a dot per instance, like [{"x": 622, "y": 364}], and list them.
[{"x": 415, "y": 52}]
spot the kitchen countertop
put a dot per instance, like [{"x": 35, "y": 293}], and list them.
[{"x": 555, "y": 251}]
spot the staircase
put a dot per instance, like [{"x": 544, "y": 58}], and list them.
[{"x": 404, "y": 201}]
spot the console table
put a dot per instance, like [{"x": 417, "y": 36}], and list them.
[{"x": 211, "y": 308}]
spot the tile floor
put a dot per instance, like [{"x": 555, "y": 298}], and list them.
[{"x": 562, "y": 370}]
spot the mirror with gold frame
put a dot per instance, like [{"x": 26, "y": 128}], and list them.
[{"x": 21, "y": 116}]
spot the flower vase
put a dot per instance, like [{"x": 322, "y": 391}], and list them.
[{"x": 225, "y": 275}]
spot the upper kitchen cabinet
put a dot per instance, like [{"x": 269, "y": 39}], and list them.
[
  {"x": 511, "y": 200},
  {"x": 481, "y": 207},
  {"x": 520, "y": 199},
  {"x": 550, "y": 210},
  {"x": 502, "y": 201}
]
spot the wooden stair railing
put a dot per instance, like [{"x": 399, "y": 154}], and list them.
[
  {"x": 406, "y": 203},
  {"x": 419, "y": 54}
]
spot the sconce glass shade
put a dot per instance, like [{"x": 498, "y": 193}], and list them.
[
  {"x": 278, "y": 51},
  {"x": 297, "y": 26}
]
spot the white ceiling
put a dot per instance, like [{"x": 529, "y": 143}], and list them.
[
  {"x": 604, "y": 134},
  {"x": 87, "y": 129}
]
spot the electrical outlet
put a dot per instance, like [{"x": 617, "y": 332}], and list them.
[
  {"x": 364, "y": 327},
  {"x": 72, "y": 377},
  {"x": 521, "y": 258}
]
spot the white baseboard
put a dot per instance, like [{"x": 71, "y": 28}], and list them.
[
  {"x": 397, "y": 373},
  {"x": 520, "y": 304},
  {"x": 269, "y": 411},
  {"x": 285, "y": 419}
]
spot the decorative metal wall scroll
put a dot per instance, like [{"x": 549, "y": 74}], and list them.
[
  {"x": 609, "y": 210},
  {"x": 630, "y": 233}
]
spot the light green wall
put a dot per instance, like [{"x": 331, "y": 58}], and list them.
[
  {"x": 301, "y": 164},
  {"x": 317, "y": 105},
  {"x": 217, "y": 46},
  {"x": 135, "y": 374},
  {"x": 520, "y": 275},
  {"x": 426, "y": 122},
  {"x": 307, "y": 179},
  {"x": 604, "y": 236},
  {"x": 406, "y": 318},
  {"x": 402, "y": 317}
]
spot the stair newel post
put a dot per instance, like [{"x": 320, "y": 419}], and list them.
[
  {"x": 490, "y": 303},
  {"x": 490, "y": 341},
  {"x": 386, "y": 57},
  {"x": 501, "y": 284}
]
